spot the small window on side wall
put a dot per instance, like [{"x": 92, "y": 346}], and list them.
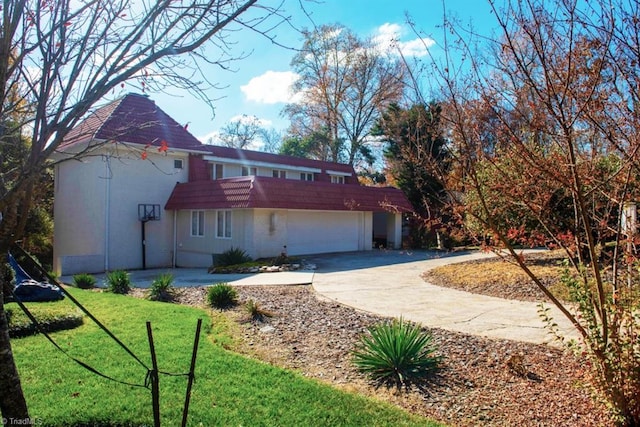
[
  {"x": 177, "y": 164},
  {"x": 277, "y": 173},
  {"x": 223, "y": 224},
  {"x": 197, "y": 223}
]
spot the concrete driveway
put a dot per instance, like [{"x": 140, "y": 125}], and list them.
[{"x": 389, "y": 283}]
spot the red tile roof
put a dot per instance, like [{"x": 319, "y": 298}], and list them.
[
  {"x": 279, "y": 193},
  {"x": 133, "y": 119},
  {"x": 137, "y": 119}
]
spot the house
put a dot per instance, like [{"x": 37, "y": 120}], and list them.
[{"x": 134, "y": 189}]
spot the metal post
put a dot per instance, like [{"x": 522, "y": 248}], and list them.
[
  {"x": 155, "y": 381},
  {"x": 185, "y": 410},
  {"x": 144, "y": 246}
]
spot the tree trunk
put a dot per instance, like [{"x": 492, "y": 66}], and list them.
[
  {"x": 13, "y": 405},
  {"x": 12, "y": 402}
]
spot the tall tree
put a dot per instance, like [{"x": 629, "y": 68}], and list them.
[
  {"x": 415, "y": 148},
  {"x": 546, "y": 116},
  {"x": 60, "y": 58},
  {"x": 345, "y": 83}
]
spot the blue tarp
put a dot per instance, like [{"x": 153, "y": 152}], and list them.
[{"x": 29, "y": 290}]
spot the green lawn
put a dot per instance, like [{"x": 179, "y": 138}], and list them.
[{"x": 229, "y": 390}]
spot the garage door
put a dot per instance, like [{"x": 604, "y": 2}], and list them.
[{"x": 322, "y": 232}]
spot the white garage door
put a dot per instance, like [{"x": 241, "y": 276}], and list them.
[{"x": 322, "y": 232}]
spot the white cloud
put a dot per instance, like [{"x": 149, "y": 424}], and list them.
[
  {"x": 271, "y": 87},
  {"x": 389, "y": 38}
]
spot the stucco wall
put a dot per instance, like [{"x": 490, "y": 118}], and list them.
[
  {"x": 197, "y": 251},
  {"x": 96, "y": 210}
]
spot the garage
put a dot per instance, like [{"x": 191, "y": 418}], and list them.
[{"x": 323, "y": 232}]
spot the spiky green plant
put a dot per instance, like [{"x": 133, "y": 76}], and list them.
[
  {"x": 118, "y": 282},
  {"x": 397, "y": 353},
  {"x": 162, "y": 288},
  {"x": 256, "y": 312},
  {"x": 84, "y": 281},
  {"x": 222, "y": 295},
  {"x": 232, "y": 256}
]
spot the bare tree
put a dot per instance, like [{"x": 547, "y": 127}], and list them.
[
  {"x": 60, "y": 58},
  {"x": 241, "y": 132},
  {"x": 544, "y": 137},
  {"x": 345, "y": 84}
]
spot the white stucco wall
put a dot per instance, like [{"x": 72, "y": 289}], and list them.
[
  {"x": 197, "y": 251},
  {"x": 96, "y": 224},
  {"x": 263, "y": 233}
]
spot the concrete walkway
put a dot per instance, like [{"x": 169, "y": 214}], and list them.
[{"x": 389, "y": 283}]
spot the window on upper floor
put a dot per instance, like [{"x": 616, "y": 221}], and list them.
[
  {"x": 218, "y": 171},
  {"x": 178, "y": 164},
  {"x": 223, "y": 224},
  {"x": 197, "y": 223},
  {"x": 246, "y": 171},
  {"x": 277, "y": 173},
  {"x": 337, "y": 179},
  {"x": 304, "y": 176}
]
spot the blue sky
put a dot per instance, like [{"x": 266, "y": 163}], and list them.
[{"x": 258, "y": 86}]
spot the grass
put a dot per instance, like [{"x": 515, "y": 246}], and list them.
[
  {"x": 547, "y": 267},
  {"x": 229, "y": 390}
]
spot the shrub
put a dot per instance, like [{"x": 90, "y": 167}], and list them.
[
  {"x": 162, "y": 288},
  {"x": 396, "y": 353},
  {"x": 233, "y": 256},
  {"x": 222, "y": 295},
  {"x": 84, "y": 281},
  {"x": 51, "y": 318},
  {"x": 118, "y": 282},
  {"x": 256, "y": 312}
]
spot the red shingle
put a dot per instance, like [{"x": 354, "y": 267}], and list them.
[
  {"x": 133, "y": 119},
  {"x": 277, "y": 193}
]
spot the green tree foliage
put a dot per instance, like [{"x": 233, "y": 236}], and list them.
[{"x": 417, "y": 159}]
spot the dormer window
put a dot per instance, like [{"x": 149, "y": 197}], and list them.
[
  {"x": 278, "y": 173},
  {"x": 218, "y": 171},
  {"x": 337, "y": 179},
  {"x": 304, "y": 176},
  {"x": 246, "y": 171}
]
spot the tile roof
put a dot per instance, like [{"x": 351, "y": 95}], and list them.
[
  {"x": 133, "y": 119},
  {"x": 137, "y": 119},
  {"x": 261, "y": 156},
  {"x": 279, "y": 193}
]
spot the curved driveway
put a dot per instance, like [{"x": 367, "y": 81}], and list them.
[{"x": 389, "y": 283}]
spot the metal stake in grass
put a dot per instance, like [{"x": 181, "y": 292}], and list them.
[{"x": 153, "y": 377}]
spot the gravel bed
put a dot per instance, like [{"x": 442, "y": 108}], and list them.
[{"x": 481, "y": 382}]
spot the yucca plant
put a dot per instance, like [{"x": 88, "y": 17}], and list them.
[
  {"x": 397, "y": 353},
  {"x": 162, "y": 288},
  {"x": 84, "y": 281},
  {"x": 118, "y": 282},
  {"x": 232, "y": 256},
  {"x": 222, "y": 295},
  {"x": 256, "y": 312}
]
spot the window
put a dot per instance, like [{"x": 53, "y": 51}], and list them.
[
  {"x": 336, "y": 179},
  {"x": 223, "y": 225},
  {"x": 218, "y": 171},
  {"x": 277, "y": 173},
  {"x": 197, "y": 223},
  {"x": 246, "y": 171},
  {"x": 177, "y": 164},
  {"x": 306, "y": 176}
]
